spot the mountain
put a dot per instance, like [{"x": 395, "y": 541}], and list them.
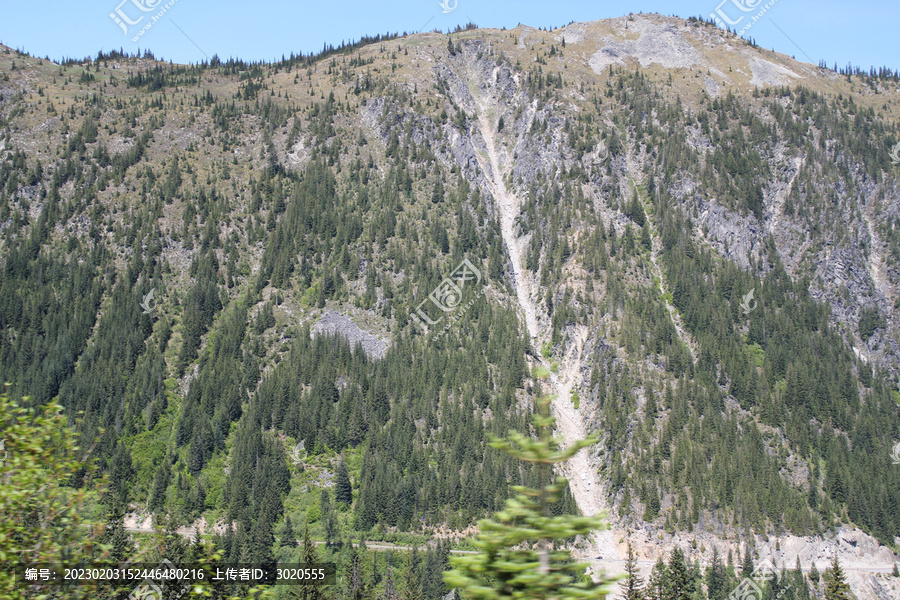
[{"x": 313, "y": 288}]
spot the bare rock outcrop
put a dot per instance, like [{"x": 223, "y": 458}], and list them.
[{"x": 334, "y": 323}]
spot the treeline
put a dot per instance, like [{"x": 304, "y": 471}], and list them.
[
  {"x": 679, "y": 579},
  {"x": 782, "y": 361},
  {"x": 195, "y": 401},
  {"x": 682, "y": 455}
]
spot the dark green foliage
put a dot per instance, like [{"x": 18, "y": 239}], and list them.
[
  {"x": 633, "y": 585},
  {"x": 287, "y": 537},
  {"x": 258, "y": 478},
  {"x": 412, "y": 588},
  {"x": 114, "y": 535},
  {"x": 435, "y": 562},
  {"x": 329, "y": 519},
  {"x": 746, "y": 563},
  {"x": 309, "y": 556},
  {"x": 635, "y": 211},
  {"x": 658, "y": 584},
  {"x": 520, "y": 551},
  {"x": 716, "y": 578},
  {"x": 160, "y": 484},
  {"x": 814, "y": 575},
  {"x": 200, "y": 307},
  {"x": 679, "y": 585},
  {"x": 218, "y": 376},
  {"x": 343, "y": 490},
  {"x": 836, "y": 587},
  {"x": 51, "y": 304},
  {"x": 870, "y": 319},
  {"x": 45, "y": 518}
]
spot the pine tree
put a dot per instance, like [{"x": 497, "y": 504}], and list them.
[
  {"x": 433, "y": 566},
  {"x": 801, "y": 585},
  {"x": 329, "y": 519},
  {"x": 261, "y": 538},
  {"x": 413, "y": 589},
  {"x": 747, "y": 563},
  {"x": 343, "y": 492},
  {"x": 357, "y": 587},
  {"x": 286, "y": 534},
  {"x": 308, "y": 557},
  {"x": 678, "y": 583},
  {"x": 116, "y": 543},
  {"x": 633, "y": 583},
  {"x": 160, "y": 483},
  {"x": 814, "y": 575},
  {"x": 656, "y": 588},
  {"x": 390, "y": 591},
  {"x": 836, "y": 587},
  {"x": 169, "y": 543},
  {"x": 715, "y": 577},
  {"x": 507, "y": 566}
]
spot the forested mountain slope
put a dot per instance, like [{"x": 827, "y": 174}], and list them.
[{"x": 693, "y": 238}]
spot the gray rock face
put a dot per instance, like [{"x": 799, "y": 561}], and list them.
[
  {"x": 475, "y": 81},
  {"x": 334, "y": 323},
  {"x": 842, "y": 245},
  {"x": 738, "y": 238},
  {"x": 660, "y": 43}
]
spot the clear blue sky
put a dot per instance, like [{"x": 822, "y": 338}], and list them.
[{"x": 864, "y": 34}]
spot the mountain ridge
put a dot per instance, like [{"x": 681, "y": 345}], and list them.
[{"x": 619, "y": 213}]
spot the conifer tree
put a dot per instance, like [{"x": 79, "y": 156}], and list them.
[
  {"x": 169, "y": 543},
  {"x": 121, "y": 546},
  {"x": 390, "y": 591},
  {"x": 287, "y": 534},
  {"x": 329, "y": 519},
  {"x": 836, "y": 587},
  {"x": 715, "y": 577},
  {"x": 678, "y": 583},
  {"x": 801, "y": 585},
  {"x": 413, "y": 589},
  {"x": 343, "y": 492},
  {"x": 308, "y": 557},
  {"x": 747, "y": 564},
  {"x": 814, "y": 575},
  {"x": 633, "y": 583},
  {"x": 656, "y": 588},
  {"x": 518, "y": 557},
  {"x": 357, "y": 587}
]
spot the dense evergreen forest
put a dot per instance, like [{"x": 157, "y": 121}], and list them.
[{"x": 167, "y": 252}]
